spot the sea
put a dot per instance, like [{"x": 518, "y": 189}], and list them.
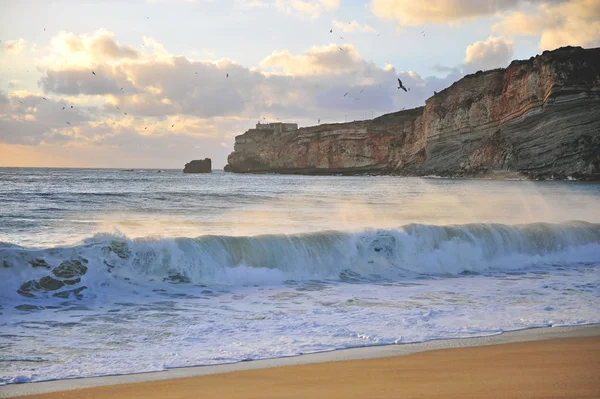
[{"x": 107, "y": 271}]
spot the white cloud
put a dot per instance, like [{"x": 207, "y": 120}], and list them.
[
  {"x": 571, "y": 22},
  {"x": 414, "y": 12},
  {"x": 15, "y": 46},
  {"x": 352, "y": 26},
  {"x": 495, "y": 52}
]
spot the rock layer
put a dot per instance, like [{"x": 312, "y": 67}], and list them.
[{"x": 538, "y": 118}]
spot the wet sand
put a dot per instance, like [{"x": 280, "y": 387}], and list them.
[{"x": 554, "y": 368}]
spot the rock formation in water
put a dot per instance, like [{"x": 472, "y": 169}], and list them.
[
  {"x": 538, "y": 118},
  {"x": 198, "y": 166}
]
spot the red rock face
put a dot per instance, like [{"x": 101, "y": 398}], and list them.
[{"x": 538, "y": 117}]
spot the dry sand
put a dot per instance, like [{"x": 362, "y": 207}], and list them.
[{"x": 557, "y": 368}]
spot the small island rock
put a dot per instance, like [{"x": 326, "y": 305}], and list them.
[{"x": 198, "y": 166}]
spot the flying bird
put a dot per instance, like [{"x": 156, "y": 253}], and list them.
[
  {"x": 68, "y": 123},
  {"x": 227, "y": 75},
  {"x": 379, "y": 34},
  {"x": 146, "y": 128},
  {"x": 71, "y": 106},
  {"x": 345, "y": 94},
  {"x": 400, "y": 85},
  {"x": 330, "y": 30},
  {"x": 341, "y": 48},
  {"x": 341, "y": 38},
  {"x": 44, "y": 98},
  {"x": 63, "y": 108},
  {"x": 196, "y": 73},
  {"x": 21, "y": 102},
  {"x": 93, "y": 73},
  {"x": 172, "y": 125},
  {"x": 118, "y": 108},
  {"x": 121, "y": 88},
  {"x": 125, "y": 113},
  {"x": 361, "y": 91}
]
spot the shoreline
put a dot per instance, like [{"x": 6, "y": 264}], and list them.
[{"x": 357, "y": 354}]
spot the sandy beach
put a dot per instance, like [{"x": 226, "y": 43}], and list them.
[{"x": 543, "y": 367}]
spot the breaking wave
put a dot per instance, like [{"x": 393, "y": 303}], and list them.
[{"x": 85, "y": 270}]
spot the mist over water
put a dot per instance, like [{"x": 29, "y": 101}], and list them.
[{"x": 108, "y": 272}]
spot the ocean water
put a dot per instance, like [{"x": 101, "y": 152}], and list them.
[{"x": 109, "y": 272}]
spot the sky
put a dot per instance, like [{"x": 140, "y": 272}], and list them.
[{"x": 157, "y": 83}]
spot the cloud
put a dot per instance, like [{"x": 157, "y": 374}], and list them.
[
  {"x": 411, "y": 12},
  {"x": 352, "y": 26},
  {"x": 15, "y": 46},
  {"x": 571, "y": 22},
  {"x": 88, "y": 49},
  {"x": 319, "y": 60},
  {"x": 493, "y": 53}
]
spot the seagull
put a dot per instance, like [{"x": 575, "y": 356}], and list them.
[
  {"x": 227, "y": 75},
  {"x": 361, "y": 91},
  {"x": 68, "y": 123},
  {"x": 118, "y": 108},
  {"x": 379, "y": 34},
  {"x": 400, "y": 85},
  {"x": 71, "y": 106},
  {"x": 341, "y": 48},
  {"x": 345, "y": 94},
  {"x": 63, "y": 108},
  {"x": 330, "y": 30},
  {"x": 125, "y": 113},
  {"x": 93, "y": 73},
  {"x": 146, "y": 128},
  {"x": 121, "y": 88},
  {"x": 341, "y": 38},
  {"x": 44, "y": 98},
  {"x": 172, "y": 125}
]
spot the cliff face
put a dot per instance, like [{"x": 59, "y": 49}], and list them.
[{"x": 539, "y": 118}]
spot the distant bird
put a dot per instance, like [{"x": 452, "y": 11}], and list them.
[
  {"x": 227, "y": 75},
  {"x": 121, "y": 88},
  {"x": 118, "y": 108},
  {"x": 196, "y": 73},
  {"x": 146, "y": 128},
  {"x": 172, "y": 125},
  {"x": 330, "y": 30},
  {"x": 341, "y": 48},
  {"x": 345, "y": 94},
  {"x": 44, "y": 29},
  {"x": 63, "y": 108},
  {"x": 379, "y": 34},
  {"x": 21, "y": 102},
  {"x": 68, "y": 123},
  {"x": 147, "y": 17},
  {"x": 125, "y": 113},
  {"x": 361, "y": 91},
  {"x": 71, "y": 106},
  {"x": 277, "y": 118},
  {"x": 341, "y": 38},
  {"x": 44, "y": 98},
  {"x": 400, "y": 85},
  {"x": 264, "y": 119}
]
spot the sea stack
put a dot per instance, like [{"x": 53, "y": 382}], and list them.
[{"x": 198, "y": 166}]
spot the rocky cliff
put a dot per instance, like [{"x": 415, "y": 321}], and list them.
[{"x": 538, "y": 118}]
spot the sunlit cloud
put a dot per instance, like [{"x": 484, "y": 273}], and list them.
[
  {"x": 15, "y": 46},
  {"x": 571, "y": 22}
]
